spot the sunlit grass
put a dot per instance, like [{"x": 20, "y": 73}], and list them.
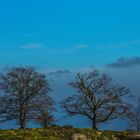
[{"x": 62, "y": 133}]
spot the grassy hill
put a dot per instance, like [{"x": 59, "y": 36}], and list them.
[{"x": 65, "y": 133}]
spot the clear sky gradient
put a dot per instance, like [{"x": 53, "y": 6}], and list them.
[{"x": 68, "y": 34}]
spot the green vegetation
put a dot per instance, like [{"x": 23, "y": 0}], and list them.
[{"x": 63, "y": 133}]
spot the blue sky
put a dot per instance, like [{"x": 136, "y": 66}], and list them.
[
  {"x": 73, "y": 35},
  {"x": 68, "y": 34}
]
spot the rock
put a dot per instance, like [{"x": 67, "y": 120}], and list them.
[
  {"x": 79, "y": 137},
  {"x": 135, "y": 137}
]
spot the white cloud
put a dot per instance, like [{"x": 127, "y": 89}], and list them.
[
  {"x": 81, "y": 46},
  {"x": 27, "y": 35},
  {"x": 56, "y": 50},
  {"x": 122, "y": 45},
  {"x": 68, "y": 50},
  {"x": 32, "y": 46}
]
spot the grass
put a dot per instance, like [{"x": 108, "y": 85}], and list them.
[{"x": 62, "y": 133}]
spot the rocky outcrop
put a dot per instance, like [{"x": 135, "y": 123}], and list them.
[
  {"x": 135, "y": 137},
  {"x": 96, "y": 137},
  {"x": 80, "y": 137}
]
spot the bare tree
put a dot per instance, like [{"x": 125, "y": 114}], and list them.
[
  {"x": 42, "y": 109},
  {"x": 134, "y": 117},
  {"x": 97, "y": 98},
  {"x": 20, "y": 85}
]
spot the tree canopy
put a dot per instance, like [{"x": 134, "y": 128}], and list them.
[{"x": 97, "y": 98}]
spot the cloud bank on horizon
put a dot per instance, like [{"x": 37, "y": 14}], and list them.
[{"x": 125, "y": 62}]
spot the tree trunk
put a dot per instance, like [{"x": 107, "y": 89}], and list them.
[
  {"x": 94, "y": 122},
  {"x": 22, "y": 120},
  {"x": 22, "y": 123},
  {"x": 94, "y": 125},
  {"x": 45, "y": 125}
]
